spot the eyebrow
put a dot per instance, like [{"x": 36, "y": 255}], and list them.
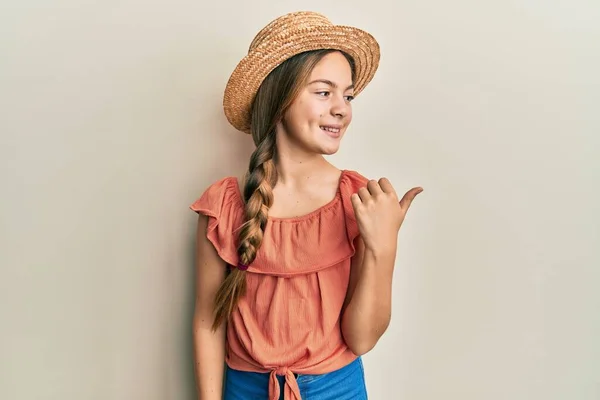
[{"x": 330, "y": 83}]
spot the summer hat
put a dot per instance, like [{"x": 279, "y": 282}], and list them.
[{"x": 285, "y": 37}]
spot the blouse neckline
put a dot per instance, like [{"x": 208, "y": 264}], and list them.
[{"x": 309, "y": 215}]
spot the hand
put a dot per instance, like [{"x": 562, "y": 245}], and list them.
[{"x": 379, "y": 214}]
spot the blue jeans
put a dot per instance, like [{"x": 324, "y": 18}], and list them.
[{"x": 347, "y": 383}]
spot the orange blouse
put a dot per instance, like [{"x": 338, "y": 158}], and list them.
[{"x": 289, "y": 320}]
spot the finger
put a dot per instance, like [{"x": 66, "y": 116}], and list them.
[
  {"x": 364, "y": 194},
  {"x": 356, "y": 202},
  {"x": 386, "y": 186},
  {"x": 409, "y": 197},
  {"x": 374, "y": 187}
]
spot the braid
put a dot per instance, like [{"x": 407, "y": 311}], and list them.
[{"x": 258, "y": 196}]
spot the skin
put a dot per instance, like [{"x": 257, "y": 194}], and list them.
[
  {"x": 306, "y": 181},
  {"x": 303, "y": 175},
  {"x": 209, "y": 346}
]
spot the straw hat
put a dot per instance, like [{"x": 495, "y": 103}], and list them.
[{"x": 285, "y": 37}]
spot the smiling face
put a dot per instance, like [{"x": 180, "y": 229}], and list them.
[{"x": 317, "y": 119}]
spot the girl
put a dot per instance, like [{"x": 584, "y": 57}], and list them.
[{"x": 294, "y": 266}]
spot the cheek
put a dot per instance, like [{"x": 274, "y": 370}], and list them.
[
  {"x": 309, "y": 114},
  {"x": 313, "y": 110},
  {"x": 305, "y": 114}
]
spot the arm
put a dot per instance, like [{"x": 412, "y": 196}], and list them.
[
  {"x": 368, "y": 305},
  {"x": 209, "y": 346},
  {"x": 367, "y": 309}
]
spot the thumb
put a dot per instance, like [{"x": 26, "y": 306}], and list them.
[{"x": 409, "y": 197}]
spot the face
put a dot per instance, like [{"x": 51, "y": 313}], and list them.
[{"x": 318, "y": 118}]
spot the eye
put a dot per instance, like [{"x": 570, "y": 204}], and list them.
[
  {"x": 323, "y": 94},
  {"x": 349, "y": 98}
]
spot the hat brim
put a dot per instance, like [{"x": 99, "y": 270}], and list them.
[{"x": 254, "y": 67}]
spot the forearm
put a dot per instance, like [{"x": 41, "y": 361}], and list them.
[
  {"x": 368, "y": 312},
  {"x": 209, "y": 360}
]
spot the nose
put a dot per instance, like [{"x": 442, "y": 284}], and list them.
[{"x": 339, "y": 107}]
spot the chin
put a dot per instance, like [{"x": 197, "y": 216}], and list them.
[{"x": 329, "y": 150}]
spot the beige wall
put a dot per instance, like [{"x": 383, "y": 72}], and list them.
[{"x": 111, "y": 125}]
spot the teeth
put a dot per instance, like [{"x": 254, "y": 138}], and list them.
[{"x": 334, "y": 130}]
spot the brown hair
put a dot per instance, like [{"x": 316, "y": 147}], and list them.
[{"x": 274, "y": 97}]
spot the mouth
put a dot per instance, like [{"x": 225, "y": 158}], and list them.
[{"x": 333, "y": 131}]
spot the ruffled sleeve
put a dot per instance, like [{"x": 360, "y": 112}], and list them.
[
  {"x": 351, "y": 182},
  {"x": 223, "y": 206}
]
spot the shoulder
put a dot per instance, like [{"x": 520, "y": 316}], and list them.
[
  {"x": 213, "y": 196},
  {"x": 351, "y": 181},
  {"x": 220, "y": 202}
]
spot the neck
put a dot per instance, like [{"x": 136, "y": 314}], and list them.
[
  {"x": 295, "y": 166},
  {"x": 295, "y": 172}
]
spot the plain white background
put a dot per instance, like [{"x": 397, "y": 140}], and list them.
[{"x": 111, "y": 125}]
